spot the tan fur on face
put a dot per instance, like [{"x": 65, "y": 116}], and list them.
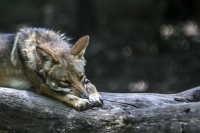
[{"x": 68, "y": 69}]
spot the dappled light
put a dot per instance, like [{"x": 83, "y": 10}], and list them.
[
  {"x": 191, "y": 28},
  {"x": 166, "y": 31},
  {"x": 139, "y": 86}
]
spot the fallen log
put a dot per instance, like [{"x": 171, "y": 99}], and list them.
[{"x": 27, "y": 112}]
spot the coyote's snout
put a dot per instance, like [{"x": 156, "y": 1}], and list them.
[{"x": 44, "y": 59}]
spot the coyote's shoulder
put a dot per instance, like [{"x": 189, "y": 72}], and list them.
[{"x": 45, "y": 59}]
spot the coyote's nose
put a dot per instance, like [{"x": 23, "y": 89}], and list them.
[{"x": 84, "y": 96}]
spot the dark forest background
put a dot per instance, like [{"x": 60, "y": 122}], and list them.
[{"x": 135, "y": 46}]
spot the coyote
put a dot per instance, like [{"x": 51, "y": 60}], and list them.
[{"x": 44, "y": 59}]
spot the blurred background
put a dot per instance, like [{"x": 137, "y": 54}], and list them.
[{"x": 135, "y": 46}]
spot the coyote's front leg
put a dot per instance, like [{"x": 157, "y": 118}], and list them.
[
  {"x": 78, "y": 103},
  {"x": 94, "y": 97}
]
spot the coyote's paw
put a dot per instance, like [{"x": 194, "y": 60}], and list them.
[
  {"x": 94, "y": 97},
  {"x": 82, "y": 104}
]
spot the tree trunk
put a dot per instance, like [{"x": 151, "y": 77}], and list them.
[{"x": 26, "y": 112}]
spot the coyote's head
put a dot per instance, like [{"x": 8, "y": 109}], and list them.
[{"x": 50, "y": 55}]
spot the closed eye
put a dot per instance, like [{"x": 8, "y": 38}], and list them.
[{"x": 64, "y": 83}]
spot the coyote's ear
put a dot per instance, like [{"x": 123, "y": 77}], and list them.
[
  {"x": 45, "y": 59},
  {"x": 79, "y": 47}
]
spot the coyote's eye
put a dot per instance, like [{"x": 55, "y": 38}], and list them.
[{"x": 64, "y": 83}]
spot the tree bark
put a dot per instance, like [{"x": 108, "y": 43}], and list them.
[{"x": 27, "y": 112}]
